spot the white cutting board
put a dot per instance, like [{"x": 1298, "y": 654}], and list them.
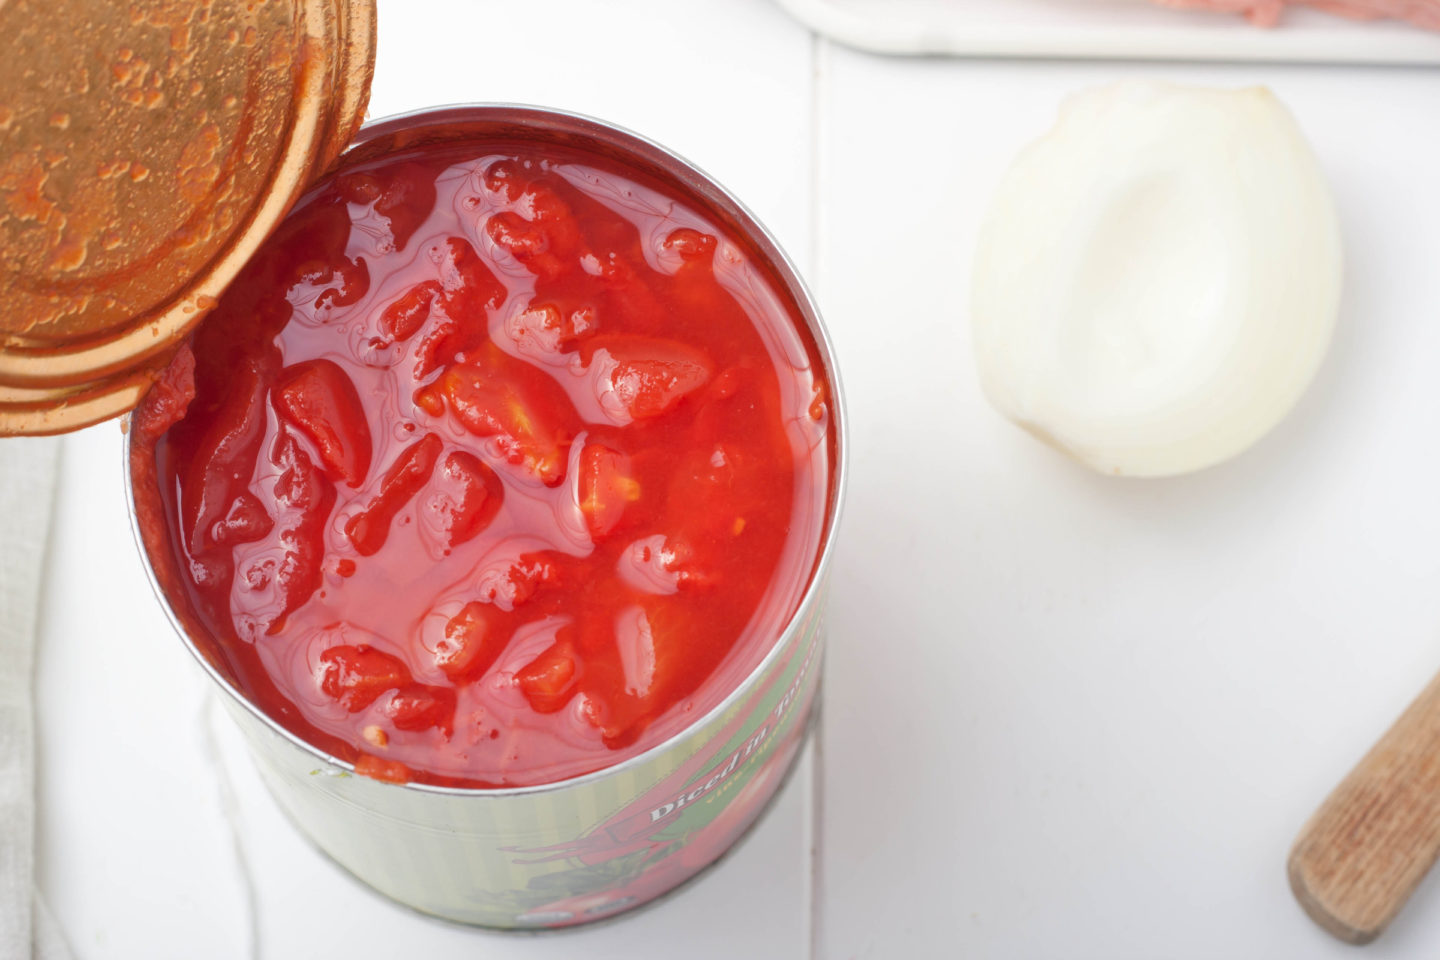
[{"x": 1107, "y": 29}]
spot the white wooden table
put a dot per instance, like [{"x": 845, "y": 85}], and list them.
[{"x": 1065, "y": 716}]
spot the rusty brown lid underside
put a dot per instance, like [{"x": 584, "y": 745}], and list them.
[{"x": 146, "y": 149}]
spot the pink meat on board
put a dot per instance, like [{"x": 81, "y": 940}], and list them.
[{"x": 1266, "y": 13}]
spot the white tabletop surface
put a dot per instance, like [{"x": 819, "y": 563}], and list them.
[{"x": 1065, "y": 716}]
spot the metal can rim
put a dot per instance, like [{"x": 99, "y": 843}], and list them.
[{"x": 804, "y": 301}]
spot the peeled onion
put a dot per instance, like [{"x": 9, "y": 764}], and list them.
[{"x": 1158, "y": 277}]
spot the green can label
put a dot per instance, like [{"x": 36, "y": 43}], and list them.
[{"x": 693, "y": 815}]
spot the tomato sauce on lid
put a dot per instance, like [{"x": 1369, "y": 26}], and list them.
[{"x": 145, "y": 152}]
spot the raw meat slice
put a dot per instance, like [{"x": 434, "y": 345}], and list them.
[{"x": 1266, "y": 13}]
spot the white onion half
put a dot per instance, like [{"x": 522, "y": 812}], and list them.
[{"x": 1157, "y": 279}]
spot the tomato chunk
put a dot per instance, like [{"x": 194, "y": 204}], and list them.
[
  {"x": 359, "y": 187},
  {"x": 506, "y": 177},
  {"x": 245, "y": 522},
  {"x": 470, "y": 643},
  {"x": 690, "y": 244},
  {"x": 319, "y": 400},
  {"x": 653, "y": 641},
  {"x": 548, "y": 328},
  {"x": 639, "y": 378},
  {"x": 419, "y": 707},
  {"x": 469, "y": 286},
  {"x": 549, "y": 680},
  {"x": 405, "y": 201},
  {"x": 391, "y": 771},
  {"x": 494, "y": 406},
  {"x": 470, "y": 494},
  {"x": 512, "y": 585},
  {"x": 404, "y": 317},
  {"x": 606, "y": 488},
  {"x": 541, "y": 232},
  {"x": 349, "y": 282},
  {"x": 369, "y": 528},
  {"x": 226, "y": 455},
  {"x": 467, "y": 289},
  {"x": 527, "y": 242},
  {"x": 288, "y": 571},
  {"x": 168, "y": 400},
  {"x": 356, "y": 675}
]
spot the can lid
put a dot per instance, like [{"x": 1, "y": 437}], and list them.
[{"x": 145, "y": 153}]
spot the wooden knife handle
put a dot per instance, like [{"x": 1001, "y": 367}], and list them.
[{"x": 1376, "y": 836}]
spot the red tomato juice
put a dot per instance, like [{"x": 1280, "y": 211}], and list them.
[{"x": 497, "y": 465}]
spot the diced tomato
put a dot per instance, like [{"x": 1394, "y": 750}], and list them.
[
  {"x": 303, "y": 499},
  {"x": 469, "y": 286},
  {"x": 351, "y": 281},
  {"x": 356, "y": 675},
  {"x": 666, "y": 563},
  {"x": 447, "y": 340},
  {"x": 470, "y": 643},
  {"x": 226, "y": 455},
  {"x": 690, "y": 244},
  {"x": 359, "y": 187},
  {"x": 537, "y": 329},
  {"x": 407, "y": 313},
  {"x": 645, "y": 376},
  {"x": 420, "y": 707},
  {"x": 548, "y": 329},
  {"x": 549, "y": 680},
  {"x": 512, "y": 586},
  {"x": 548, "y": 208},
  {"x": 313, "y": 273},
  {"x": 606, "y": 488},
  {"x": 528, "y": 575},
  {"x": 245, "y": 522},
  {"x": 528, "y": 242},
  {"x": 318, "y": 399},
  {"x": 541, "y": 232},
  {"x": 327, "y": 284},
  {"x": 635, "y": 639},
  {"x": 168, "y": 398},
  {"x": 469, "y": 496},
  {"x": 430, "y": 399},
  {"x": 523, "y": 239},
  {"x": 406, "y": 200},
  {"x": 466, "y": 289},
  {"x": 489, "y": 405},
  {"x": 369, "y": 528},
  {"x": 378, "y": 768},
  {"x": 673, "y": 629},
  {"x": 506, "y": 177},
  {"x": 654, "y": 641}
]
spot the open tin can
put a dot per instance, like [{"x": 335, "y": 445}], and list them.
[
  {"x": 185, "y": 141},
  {"x": 579, "y": 849}
]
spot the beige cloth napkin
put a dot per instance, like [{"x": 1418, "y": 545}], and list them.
[{"x": 27, "y": 488}]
